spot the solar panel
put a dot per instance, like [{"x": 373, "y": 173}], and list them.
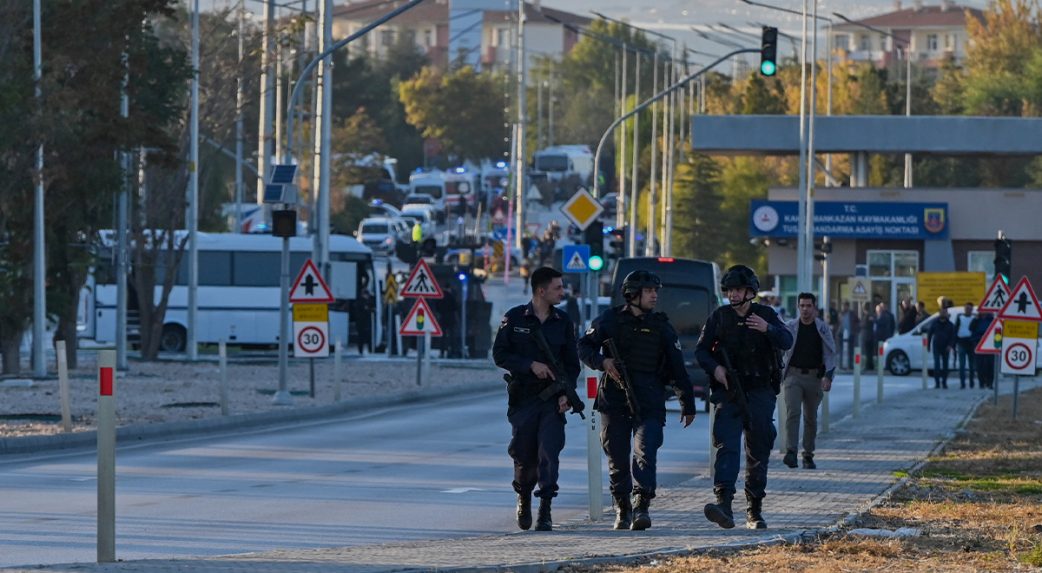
[
  {"x": 283, "y": 174},
  {"x": 272, "y": 193}
]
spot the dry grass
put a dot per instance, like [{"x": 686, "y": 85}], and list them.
[{"x": 979, "y": 505}]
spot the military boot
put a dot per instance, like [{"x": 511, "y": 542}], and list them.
[
  {"x": 720, "y": 512},
  {"x": 544, "y": 522},
  {"x": 524, "y": 510},
  {"x": 641, "y": 518},
  {"x": 808, "y": 462},
  {"x": 623, "y": 512},
  {"x": 754, "y": 513}
]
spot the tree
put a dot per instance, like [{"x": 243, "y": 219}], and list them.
[
  {"x": 461, "y": 108},
  {"x": 697, "y": 203}
]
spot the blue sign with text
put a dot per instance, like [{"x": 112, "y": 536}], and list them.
[{"x": 843, "y": 220}]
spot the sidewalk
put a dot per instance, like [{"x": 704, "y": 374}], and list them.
[{"x": 857, "y": 460}]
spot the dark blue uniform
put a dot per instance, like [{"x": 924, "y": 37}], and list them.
[
  {"x": 753, "y": 355},
  {"x": 653, "y": 359},
  {"x": 538, "y": 427}
]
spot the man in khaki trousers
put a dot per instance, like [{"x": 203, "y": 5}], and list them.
[{"x": 809, "y": 367}]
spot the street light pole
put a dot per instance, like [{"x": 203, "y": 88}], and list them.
[
  {"x": 193, "y": 196},
  {"x": 39, "y": 252}
]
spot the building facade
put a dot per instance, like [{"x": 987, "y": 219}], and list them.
[
  {"x": 931, "y": 34},
  {"x": 449, "y": 30}
]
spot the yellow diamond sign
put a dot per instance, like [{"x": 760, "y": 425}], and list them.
[{"x": 582, "y": 209}]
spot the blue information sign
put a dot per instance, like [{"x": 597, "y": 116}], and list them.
[
  {"x": 852, "y": 220},
  {"x": 576, "y": 258}
]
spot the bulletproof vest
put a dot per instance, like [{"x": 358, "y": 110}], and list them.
[
  {"x": 751, "y": 353},
  {"x": 639, "y": 342}
]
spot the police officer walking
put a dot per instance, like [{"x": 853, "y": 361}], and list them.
[
  {"x": 632, "y": 394},
  {"x": 739, "y": 346},
  {"x": 536, "y": 344}
]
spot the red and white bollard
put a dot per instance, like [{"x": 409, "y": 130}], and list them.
[
  {"x": 106, "y": 456},
  {"x": 593, "y": 448},
  {"x": 857, "y": 384}
]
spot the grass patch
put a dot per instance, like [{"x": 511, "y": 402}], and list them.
[
  {"x": 901, "y": 474},
  {"x": 1033, "y": 557}
]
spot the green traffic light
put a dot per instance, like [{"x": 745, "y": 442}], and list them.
[
  {"x": 596, "y": 263},
  {"x": 768, "y": 68}
]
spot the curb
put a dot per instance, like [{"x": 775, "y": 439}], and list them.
[{"x": 141, "y": 432}]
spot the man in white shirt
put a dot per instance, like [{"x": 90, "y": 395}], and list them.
[{"x": 964, "y": 344}]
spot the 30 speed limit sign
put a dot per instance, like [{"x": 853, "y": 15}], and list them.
[
  {"x": 1019, "y": 340},
  {"x": 310, "y": 331}
]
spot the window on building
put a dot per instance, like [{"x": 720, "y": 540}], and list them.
[
  {"x": 892, "y": 275},
  {"x": 981, "y": 262},
  {"x": 428, "y": 38},
  {"x": 502, "y": 37},
  {"x": 865, "y": 44},
  {"x": 841, "y": 42},
  {"x": 883, "y": 42},
  {"x": 931, "y": 42},
  {"x": 949, "y": 42},
  {"x": 386, "y": 38},
  {"x": 410, "y": 35}
]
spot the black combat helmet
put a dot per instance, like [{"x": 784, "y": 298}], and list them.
[
  {"x": 740, "y": 276},
  {"x": 637, "y": 281}
]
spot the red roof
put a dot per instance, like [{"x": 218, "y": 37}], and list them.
[{"x": 923, "y": 17}]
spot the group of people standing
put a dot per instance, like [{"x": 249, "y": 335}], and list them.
[
  {"x": 959, "y": 336},
  {"x": 640, "y": 356}
]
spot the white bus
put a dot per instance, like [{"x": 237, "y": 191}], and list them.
[{"x": 238, "y": 294}]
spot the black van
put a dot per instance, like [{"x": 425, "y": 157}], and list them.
[{"x": 690, "y": 292}]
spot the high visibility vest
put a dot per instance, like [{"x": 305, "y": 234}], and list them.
[{"x": 417, "y": 232}]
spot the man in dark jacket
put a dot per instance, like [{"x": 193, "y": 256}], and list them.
[
  {"x": 651, "y": 359},
  {"x": 886, "y": 325},
  {"x": 985, "y": 361},
  {"x": 908, "y": 316},
  {"x": 941, "y": 339},
  {"x": 868, "y": 338},
  {"x": 739, "y": 345},
  {"x": 537, "y": 421}
]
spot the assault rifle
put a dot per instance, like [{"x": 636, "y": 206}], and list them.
[
  {"x": 555, "y": 387},
  {"x": 626, "y": 384},
  {"x": 735, "y": 392}
]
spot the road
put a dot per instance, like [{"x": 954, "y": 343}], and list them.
[{"x": 419, "y": 471}]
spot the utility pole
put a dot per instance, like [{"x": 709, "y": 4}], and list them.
[
  {"x": 240, "y": 98},
  {"x": 649, "y": 236},
  {"x": 193, "y": 196},
  {"x": 39, "y": 258},
  {"x": 803, "y": 250},
  {"x": 323, "y": 121},
  {"x": 519, "y": 165},
  {"x": 265, "y": 136},
  {"x": 620, "y": 198},
  {"x": 631, "y": 249}
]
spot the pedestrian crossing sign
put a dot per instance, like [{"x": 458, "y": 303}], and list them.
[
  {"x": 996, "y": 297},
  {"x": 575, "y": 258},
  {"x": 421, "y": 283},
  {"x": 860, "y": 290}
]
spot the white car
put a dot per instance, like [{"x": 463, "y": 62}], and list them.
[
  {"x": 379, "y": 234},
  {"x": 903, "y": 353},
  {"x": 419, "y": 200}
]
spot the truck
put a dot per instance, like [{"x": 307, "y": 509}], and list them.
[{"x": 562, "y": 168}]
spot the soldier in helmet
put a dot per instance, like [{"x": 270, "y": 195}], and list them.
[
  {"x": 650, "y": 359},
  {"x": 746, "y": 336}
]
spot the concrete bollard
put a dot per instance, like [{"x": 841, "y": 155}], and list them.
[
  {"x": 63, "y": 385},
  {"x": 879, "y": 376},
  {"x": 222, "y": 359},
  {"x": 337, "y": 352},
  {"x": 593, "y": 448},
  {"x": 106, "y": 542}
]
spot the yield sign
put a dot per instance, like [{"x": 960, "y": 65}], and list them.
[
  {"x": 421, "y": 283},
  {"x": 309, "y": 286},
  {"x": 1022, "y": 303},
  {"x": 996, "y": 297},
  {"x": 420, "y": 321},
  {"x": 991, "y": 342}
]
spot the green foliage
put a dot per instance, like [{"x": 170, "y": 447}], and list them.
[
  {"x": 697, "y": 201},
  {"x": 345, "y": 219},
  {"x": 461, "y": 109}
]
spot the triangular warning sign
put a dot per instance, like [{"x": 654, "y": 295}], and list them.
[
  {"x": 420, "y": 321},
  {"x": 996, "y": 298},
  {"x": 421, "y": 283},
  {"x": 1022, "y": 303},
  {"x": 859, "y": 288},
  {"x": 576, "y": 263},
  {"x": 987, "y": 342},
  {"x": 309, "y": 286}
]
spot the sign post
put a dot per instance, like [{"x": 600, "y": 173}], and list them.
[
  {"x": 106, "y": 456},
  {"x": 857, "y": 384}
]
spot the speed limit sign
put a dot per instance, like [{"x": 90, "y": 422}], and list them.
[
  {"x": 1019, "y": 341},
  {"x": 310, "y": 331}
]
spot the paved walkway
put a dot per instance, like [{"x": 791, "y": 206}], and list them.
[{"x": 857, "y": 462}]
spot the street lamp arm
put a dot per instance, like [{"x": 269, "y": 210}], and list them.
[
  {"x": 648, "y": 102},
  {"x": 311, "y": 65},
  {"x": 632, "y": 27}
]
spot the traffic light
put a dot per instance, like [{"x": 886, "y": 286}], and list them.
[
  {"x": 769, "y": 51},
  {"x": 617, "y": 242},
  {"x": 1003, "y": 257},
  {"x": 594, "y": 237}
]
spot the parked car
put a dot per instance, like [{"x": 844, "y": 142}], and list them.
[
  {"x": 903, "y": 353},
  {"x": 419, "y": 200},
  {"x": 379, "y": 234},
  {"x": 381, "y": 208}
]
